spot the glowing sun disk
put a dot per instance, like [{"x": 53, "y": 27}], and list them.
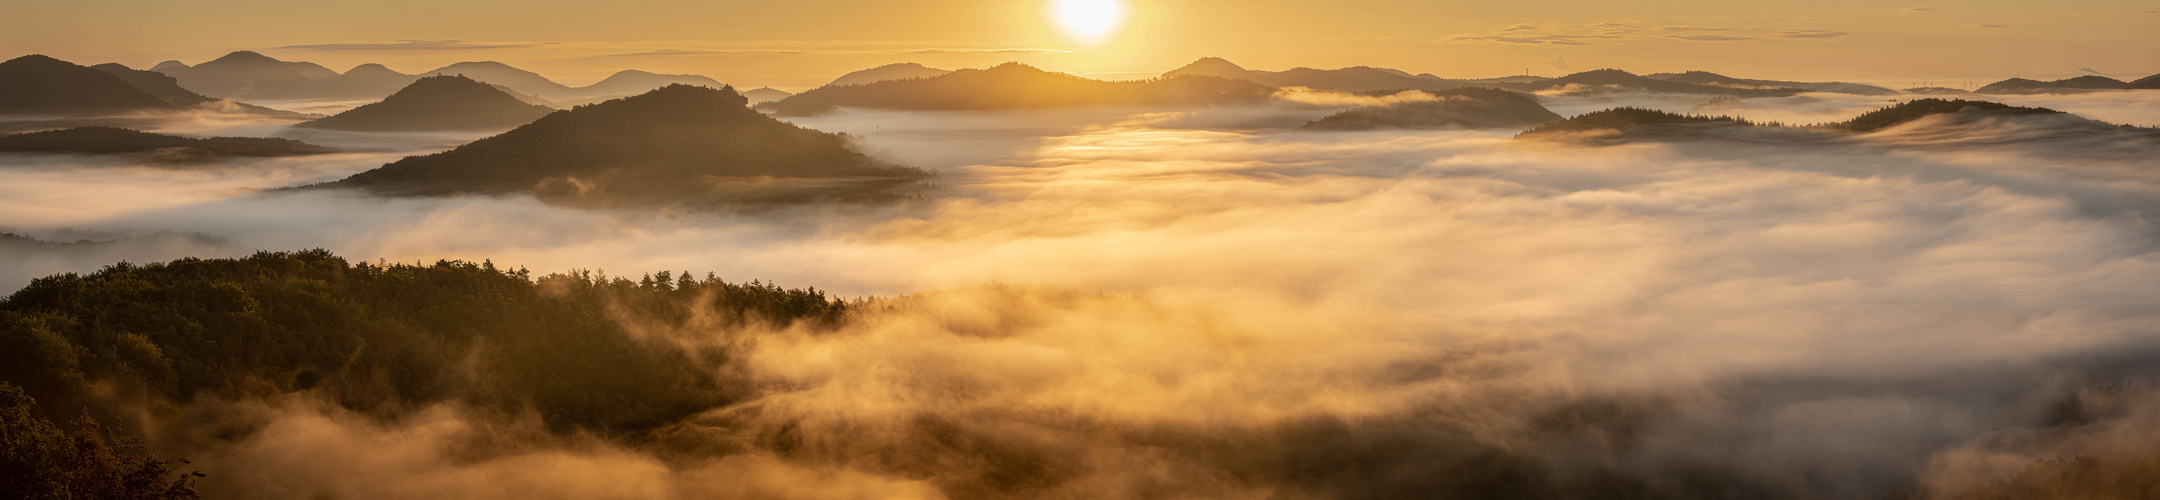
[{"x": 1090, "y": 18}]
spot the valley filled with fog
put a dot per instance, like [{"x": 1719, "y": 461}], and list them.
[{"x": 1179, "y": 301}]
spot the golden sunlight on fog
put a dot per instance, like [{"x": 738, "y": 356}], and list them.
[{"x": 1079, "y": 249}]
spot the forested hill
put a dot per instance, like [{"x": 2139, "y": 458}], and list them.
[
  {"x": 37, "y": 84},
  {"x": 159, "y": 147},
  {"x": 383, "y": 338},
  {"x": 679, "y": 144},
  {"x": 1468, "y": 107},
  {"x": 437, "y": 103}
]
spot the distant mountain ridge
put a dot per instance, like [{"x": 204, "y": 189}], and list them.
[
  {"x": 1613, "y": 79},
  {"x": 1369, "y": 79},
  {"x": 2085, "y": 83},
  {"x": 676, "y": 145},
  {"x": 1459, "y": 108},
  {"x": 437, "y": 103},
  {"x": 167, "y": 88},
  {"x": 1717, "y": 80},
  {"x": 1012, "y": 86},
  {"x": 251, "y": 75},
  {"x": 765, "y": 94},
  {"x": 1352, "y": 79},
  {"x": 1950, "y": 115},
  {"x": 898, "y": 71}
]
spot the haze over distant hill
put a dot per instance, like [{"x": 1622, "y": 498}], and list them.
[
  {"x": 765, "y": 95},
  {"x": 505, "y": 75},
  {"x": 37, "y": 84},
  {"x": 899, "y": 71},
  {"x": 633, "y": 82},
  {"x": 1948, "y": 122},
  {"x": 250, "y": 75},
  {"x": 622, "y": 83},
  {"x": 1609, "y": 80},
  {"x": 1369, "y": 79},
  {"x": 166, "y": 88},
  {"x": 2085, "y": 83},
  {"x": 1018, "y": 86},
  {"x": 1458, "y": 108},
  {"x": 160, "y": 85},
  {"x": 159, "y": 147},
  {"x": 437, "y": 103},
  {"x": 1717, "y": 80},
  {"x": 1353, "y": 79},
  {"x": 378, "y": 79},
  {"x": 678, "y": 144}
]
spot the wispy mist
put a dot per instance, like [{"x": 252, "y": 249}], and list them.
[{"x": 1185, "y": 304}]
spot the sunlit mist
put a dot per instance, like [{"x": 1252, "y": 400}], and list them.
[{"x": 1080, "y": 249}]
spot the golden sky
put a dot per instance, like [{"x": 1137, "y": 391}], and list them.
[{"x": 795, "y": 44}]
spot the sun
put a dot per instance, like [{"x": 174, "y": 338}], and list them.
[{"x": 1090, "y": 20}]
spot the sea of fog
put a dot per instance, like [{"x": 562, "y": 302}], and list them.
[{"x": 1824, "y": 321}]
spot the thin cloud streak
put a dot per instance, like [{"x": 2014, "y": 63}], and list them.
[
  {"x": 704, "y": 52},
  {"x": 991, "y": 51},
  {"x": 1613, "y": 33},
  {"x": 417, "y": 45}
]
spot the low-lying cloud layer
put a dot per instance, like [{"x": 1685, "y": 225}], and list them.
[{"x": 1174, "y": 304}]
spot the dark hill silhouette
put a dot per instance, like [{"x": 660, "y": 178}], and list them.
[
  {"x": 536, "y": 100},
  {"x": 1017, "y": 86},
  {"x": 163, "y": 86},
  {"x": 160, "y": 147},
  {"x": 377, "y": 79},
  {"x": 1614, "y": 79},
  {"x": 311, "y": 70},
  {"x": 1463, "y": 108},
  {"x": 2085, "y": 83},
  {"x": 1628, "y": 121},
  {"x": 1957, "y": 122},
  {"x": 2146, "y": 83},
  {"x": 503, "y": 74},
  {"x": 765, "y": 95},
  {"x": 169, "y": 64},
  {"x": 167, "y": 88},
  {"x": 37, "y": 84},
  {"x": 522, "y": 82},
  {"x": 1217, "y": 67},
  {"x": 1921, "y": 108},
  {"x": 1717, "y": 80},
  {"x": 1352, "y": 79},
  {"x": 899, "y": 71},
  {"x": 245, "y": 75},
  {"x": 437, "y": 103},
  {"x": 676, "y": 145},
  {"x": 633, "y": 82},
  {"x": 1358, "y": 79}
]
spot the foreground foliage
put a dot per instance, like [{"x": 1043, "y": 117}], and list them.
[
  {"x": 386, "y": 338},
  {"x": 39, "y": 461}
]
